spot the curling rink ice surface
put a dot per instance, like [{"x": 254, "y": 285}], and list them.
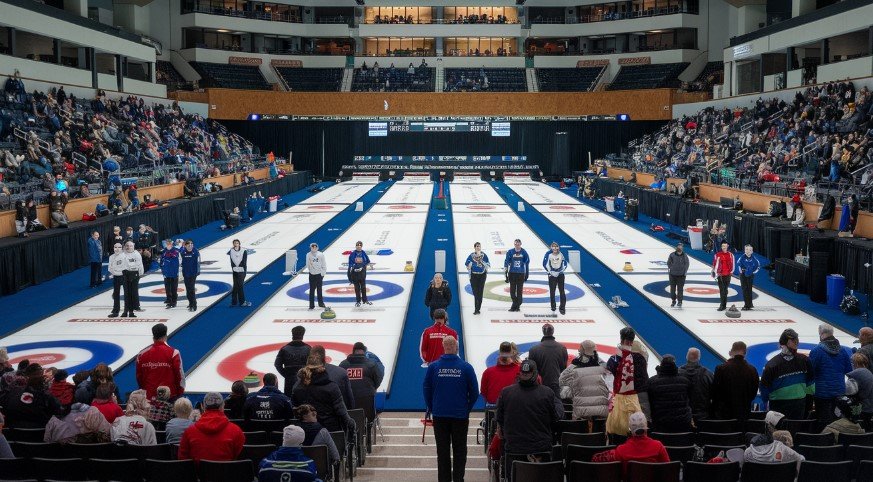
[
  {"x": 480, "y": 214},
  {"x": 79, "y": 337},
  {"x": 615, "y": 243},
  {"x": 391, "y": 232}
]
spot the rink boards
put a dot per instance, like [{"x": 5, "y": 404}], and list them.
[
  {"x": 615, "y": 243},
  {"x": 392, "y": 235},
  {"x": 79, "y": 337}
]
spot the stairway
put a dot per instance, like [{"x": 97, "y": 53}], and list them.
[
  {"x": 348, "y": 75},
  {"x": 532, "y": 83},
  {"x": 440, "y": 81},
  {"x": 402, "y": 457}
]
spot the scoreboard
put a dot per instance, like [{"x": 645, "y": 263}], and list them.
[{"x": 382, "y": 129}]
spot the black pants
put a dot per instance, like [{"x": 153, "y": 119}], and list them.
[
  {"x": 315, "y": 286},
  {"x": 792, "y": 409},
  {"x": 824, "y": 411},
  {"x": 746, "y": 284},
  {"x": 237, "y": 295},
  {"x": 516, "y": 287},
  {"x": 117, "y": 283},
  {"x": 359, "y": 280},
  {"x": 477, "y": 284},
  {"x": 191, "y": 290},
  {"x": 171, "y": 288},
  {"x": 724, "y": 283},
  {"x": 677, "y": 287},
  {"x": 559, "y": 283},
  {"x": 131, "y": 291},
  {"x": 96, "y": 273},
  {"x": 451, "y": 444}
]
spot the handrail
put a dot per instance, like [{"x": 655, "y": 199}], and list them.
[{"x": 597, "y": 79}]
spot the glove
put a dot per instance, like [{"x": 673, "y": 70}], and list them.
[
  {"x": 506, "y": 278},
  {"x": 526, "y": 276},
  {"x": 713, "y": 274}
]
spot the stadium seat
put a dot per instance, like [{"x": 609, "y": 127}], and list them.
[
  {"x": 25, "y": 434},
  {"x": 710, "y": 451},
  {"x": 584, "y": 439},
  {"x": 17, "y": 468},
  {"x": 583, "y": 453},
  {"x": 794, "y": 426},
  {"x": 830, "y": 453},
  {"x": 703, "y": 472},
  {"x": 579, "y": 79},
  {"x": 718, "y": 426},
  {"x": 256, "y": 453},
  {"x": 647, "y": 471},
  {"x": 120, "y": 470},
  {"x": 541, "y": 472},
  {"x": 858, "y": 454},
  {"x": 499, "y": 80},
  {"x": 170, "y": 470},
  {"x": 265, "y": 426},
  {"x": 615, "y": 439},
  {"x": 311, "y": 79},
  {"x": 258, "y": 437},
  {"x": 755, "y": 426},
  {"x": 775, "y": 472},
  {"x": 594, "y": 471},
  {"x": 61, "y": 469},
  {"x": 30, "y": 450},
  {"x": 319, "y": 455},
  {"x": 231, "y": 76},
  {"x": 674, "y": 439},
  {"x": 360, "y": 419},
  {"x": 865, "y": 439},
  {"x": 572, "y": 426},
  {"x": 734, "y": 438},
  {"x": 90, "y": 451},
  {"x": 143, "y": 452},
  {"x": 652, "y": 76},
  {"x": 865, "y": 471},
  {"x": 398, "y": 80},
  {"x": 681, "y": 454},
  {"x": 811, "y": 471},
  {"x": 598, "y": 425},
  {"x": 226, "y": 471}
]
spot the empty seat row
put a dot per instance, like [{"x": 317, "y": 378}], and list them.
[
  {"x": 394, "y": 80},
  {"x": 231, "y": 76},
  {"x": 578, "y": 79},
  {"x": 312, "y": 80},
  {"x": 651, "y": 76}
]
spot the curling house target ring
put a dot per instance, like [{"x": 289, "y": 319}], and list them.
[
  {"x": 213, "y": 288},
  {"x": 538, "y": 293},
  {"x": 759, "y": 354},
  {"x": 240, "y": 364},
  {"x": 704, "y": 291},
  {"x": 340, "y": 291},
  {"x": 605, "y": 351},
  {"x": 66, "y": 354}
]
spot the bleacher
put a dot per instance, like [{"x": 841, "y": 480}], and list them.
[
  {"x": 578, "y": 79},
  {"x": 231, "y": 76},
  {"x": 311, "y": 80},
  {"x": 652, "y": 76},
  {"x": 488, "y": 80},
  {"x": 711, "y": 68},
  {"x": 169, "y": 76},
  {"x": 398, "y": 80}
]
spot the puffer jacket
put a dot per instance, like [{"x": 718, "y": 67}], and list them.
[
  {"x": 290, "y": 359},
  {"x": 325, "y": 396},
  {"x": 669, "y": 399},
  {"x": 701, "y": 388},
  {"x": 438, "y": 296},
  {"x": 586, "y": 385},
  {"x": 830, "y": 363}
]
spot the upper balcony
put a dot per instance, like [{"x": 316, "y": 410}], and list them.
[
  {"x": 271, "y": 22},
  {"x": 440, "y": 28}
]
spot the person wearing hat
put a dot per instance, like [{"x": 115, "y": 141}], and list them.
[
  {"x": 5, "y": 449},
  {"x": 169, "y": 263},
  {"x": 788, "y": 378},
  {"x": 848, "y": 409},
  {"x": 29, "y": 406},
  {"x": 450, "y": 390},
  {"x": 499, "y": 376},
  {"x": 357, "y": 273},
  {"x": 584, "y": 382},
  {"x": 477, "y": 264},
  {"x": 431, "y": 347},
  {"x": 677, "y": 268},
  {"x": 639, "y": 447},
  {"x": 865, "y": 339},
  {"x": 734, "y": 386},
  {"x": 292, "y": 357},
  {"x": 526, "y": 412},
  {"x": 830, "y": 362},
  {"x": 770, "y": 446},
  {"x": 132, "y": 427},
  {"x": 555, "y": 264},
  {"x": 365, "y": 378},
  {"x": 160, "y": 364},
  {"x": 670, "y": 398},
  {"x": 212, "y": 437},
  {"x": 517, "y": 268},
  {"x": 288, "y": 463},
  {"x": 551, "y": 358},
  {"x": 630, "y": 377},
  {"x": 268, "y": 403},
  {"x": 438, "y": 294},
  {"x": 317, "y": 267}
]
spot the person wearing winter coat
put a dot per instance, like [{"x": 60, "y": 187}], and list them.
[
  {"x": 747, "y": 266},
  {"x": 288, "y": 463},
  {"x": 106, "y": 402},
  {"x": 701, "y": 384},
  {"x": 212, "y": 437},
  {"x": 670, "y": 398},
  {"x": 316, "y": 434},
  {"x": 849, "y": 410},
  {"x": 551, "y": 358},
  {"x": 238, "y": 264},
  {"x": 438, "y": 294},
  {"x": 431, "y": 346},
  {"x": 133, "y": 427},
  {"x": 335, "y": 374},
  {"x": 830, "y": 364},
  {"x": 169, "y": 263},
  {"x": 630, "y": 379},
  {"x": 364, "y": 377},
  {"x": 862, "y": 379},
  {"x": 57, "y": 204},
  {"x": 765, "y": 449},
  {"x": 358, "y": 263},
  {"x": 734, "y": 386},
  {"x": 639, "y": 447},
  {"x": 677, "y": 268},
  {"x": 292, "y": 357},
  {"x": 160, "y": 365},
  {"x": 316, "y": 389},
  {"x": 177, "y": 425},
  {"x": 477, "y": 264},
  {"x": 64, "y": 428},
  {"x": 61, "y": 389},
  {"x": 584, "y": 382},
  {"x": 29, "y": 406},
  {"x": 503, "y": 374},
  {"x": 268, "y": 403},
  {"x": 33, "y": 223},
  {"x": 722, "y": 269},
  {"x": 788, "y": 378}
]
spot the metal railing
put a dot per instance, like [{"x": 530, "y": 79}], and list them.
[{"x": 248, "y": 14}]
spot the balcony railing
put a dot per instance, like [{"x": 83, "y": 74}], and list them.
[
  {"x": 252, "y": 15},
  {"x": 439, "y": 21},
  {"x": 612, "y": 16}
]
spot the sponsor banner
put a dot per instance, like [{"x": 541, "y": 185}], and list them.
[
  {"x": 548, "y": 319},
  {"x": 635, "y": 61},
  {"x": 592, "y": 63},
  {"x": 335, "y": 320},
  {"x": 286, "y": 63},
  {"x": 118, "y": 320},
  {"x": 773, "y": 321},
  {"x": 245, "y": 60}
]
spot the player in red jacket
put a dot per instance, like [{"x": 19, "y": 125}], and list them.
[
  {"x": 722, "y": 269},
  {"x": 160, "y": 364},
  {"x": 432, "y": 338},
  {"x": 212, "y": 437}
]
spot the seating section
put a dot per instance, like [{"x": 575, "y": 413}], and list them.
[
  {"x": 231, "y": 76},
  {"x": 488, "y": 80},
  {"x": 711, "y": 69},
  {"x": 654, "y": 76},
  {"x": 311, "y": 80},
  {"x": 394, "y": 80},
  {"x": 578, "y": 79},
  {"x": 168, "y": 75}
]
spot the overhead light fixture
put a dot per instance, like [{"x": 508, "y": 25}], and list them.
[
  {"x": 519, "y": 2},
  {"x": 223, "y": 30}
]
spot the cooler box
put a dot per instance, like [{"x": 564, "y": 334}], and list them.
[
  {"x": 610, "y": 204},
  {"x": 695, "y": 237},
  {"x": 836, "y": 289},
  {"x": 273, "y": 203}
]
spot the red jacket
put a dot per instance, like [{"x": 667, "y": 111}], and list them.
[
  {"x": 109, "y": 409},
  {"x": 432, "y": 341},
  {"x": 63, "y": 391},
  {"x": 495, "y": 379},
  {"x": 212, "y": 437},
  {"x": 641, "y": 449},
  {"x": 160, "y": 364},
  {"x": 723, "y": 263}
]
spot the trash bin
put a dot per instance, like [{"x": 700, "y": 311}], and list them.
[
  {"x": 610, "y": 204},
  {"x": 836, "y": 288},
  {"x": 695, "y": 237},
  {"x": 273, "y": 203}
]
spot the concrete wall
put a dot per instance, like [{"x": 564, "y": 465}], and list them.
[{"x": 847, "y": 69}]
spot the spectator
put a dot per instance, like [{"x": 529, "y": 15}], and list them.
[
  {"x": 438, "y": 294},
  {"x": 865, "y": 338},
  {"x": 5, "y": 449},
  {"x": 862, "y": 379},
  {"x": 431, "y": 347},
  {"x": 701, "y": 384},
  {"x": 555, "y": 265},
  {"x": 29, "y": 406},
  {"x": 830, "y": 364},
  {"x": 316, "y": 434},
  {"x": 5, "y": 366},
  {"x": 638, "y": 447},
  {"x": 365, "y": 378},
  {"x": 238, "y": 264},
  {"x": 116, "y": 237},
  {"x": 630, "y": 377},
  {"x": 146, "y": 241},
  {"x": 133, "y": 427},
  {"x": 734, "y": 386},
  {"x": 268, "y": 403},
  {"x": 95, "y": 258},
  {"x": 21, "y": 219},
  {"x": 788, "y": 378},
  {"x": 64, "y": 428},
  {"x": 106, "y": 402},
  {"x": 336, "y": 375},
  {"x": 670, "y": 398},
  {"x": 317, "y": 267},
  {"x": 95, "y": 428},
  {"x": 176, "y": 426},
  {"x": 501, "y": 375},
  {"x": 764, "y": 449},
  {"x": 551, "y": 358},
  {"x": 288, "y": 463},
  {"x": 212, "y": 437},
  {"x": 677, "y": 267},
  {"x": 190, "y": 270},
  {"x": 169, "y": 263},
  {"x": 849, "y": 411},
  {"x": 34, "y": 225},
  {"x": 450, "y": 391},
  {"x": 234, "y": 403},
  {"x": 160, "y": 408},
  {"x": 58, "y": 204},
  {"x": 160, "y": 364},
  {"x": 317, "y": 389},
  {"x": 584, "y": 382},
  {"x": 292, "y": 357},
  {"x": 722, "y": 269},
  {"x": 61, "y": 389}
]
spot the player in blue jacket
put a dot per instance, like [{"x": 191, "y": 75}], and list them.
[
  {"x": 555, "y": 264},
  {"x": 169, "y": 262},
  {"x": 517, "y": 267},
  {"x": 747, "y": 265},
  {"x": 477, "y": 265},
  {"x": 190, "y": 270},
  {"x": 357, "y": 274}
]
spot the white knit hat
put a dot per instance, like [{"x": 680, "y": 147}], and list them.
[{"x": 293, "y": 436}]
